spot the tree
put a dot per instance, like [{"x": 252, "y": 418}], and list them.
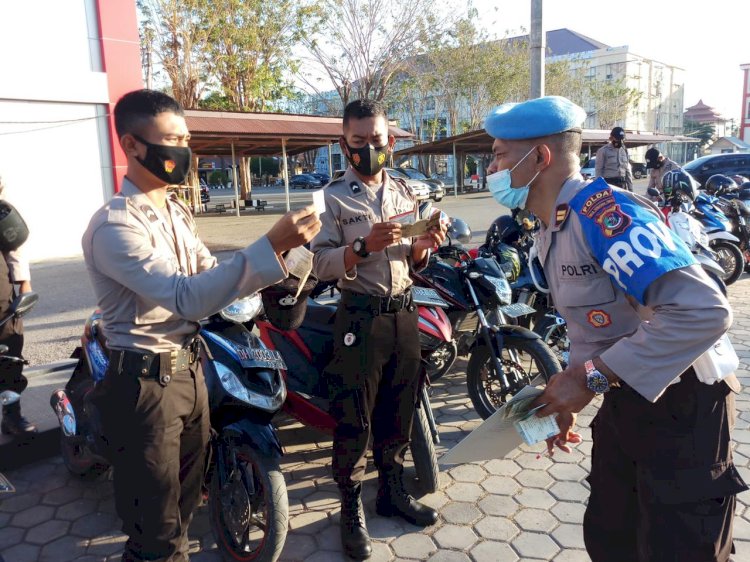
[
  {"x": 361, "y": 45},
  {"x": 705, "y": 132},
  {"x": 178, "y": 32},
  {"x": 611, "y": 100}
]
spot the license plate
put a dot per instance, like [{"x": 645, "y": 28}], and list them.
[
  {"x": 427, "y": 296},
  {"x": 517, "y": 309},
  {"x": 251, "y": 357}
]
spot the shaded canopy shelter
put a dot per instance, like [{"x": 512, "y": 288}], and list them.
[
  {"x": 480, "y": 143},
  {"x": 223, "y": 133}
]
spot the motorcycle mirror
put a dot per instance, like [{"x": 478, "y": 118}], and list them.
[
  {"x": 653, "y": 192},
  {"x": 23, "y": 303}
]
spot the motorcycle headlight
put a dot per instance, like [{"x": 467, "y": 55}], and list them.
[
  {"x": 243, "y": 310},
  {"x": 502, "y": 288}
]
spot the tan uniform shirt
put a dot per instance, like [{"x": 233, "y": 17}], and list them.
[
  {"x": 352, "y": 207},
  {"x": 656, "y": 174},
  {"x": 646, "y": 346},
  {"x": 612, "y": 162},
  {"x": 154, "y": 280}
]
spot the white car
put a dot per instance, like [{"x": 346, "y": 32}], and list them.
[
  {"x": 420, "y": 188},
  {"x": 588, "y": 170}
]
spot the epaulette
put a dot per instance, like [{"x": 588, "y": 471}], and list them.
[{"x": 118, "y": 210}]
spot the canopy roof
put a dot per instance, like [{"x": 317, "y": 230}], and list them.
[
  {"x": 260, "y": 134},
  {"x": 479, "y": 142}
]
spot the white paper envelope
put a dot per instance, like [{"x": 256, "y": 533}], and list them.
[
  {"x": 319, "y": 201},
  {"x": 493, "y": 439}
]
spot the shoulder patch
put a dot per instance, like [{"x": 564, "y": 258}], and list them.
[
  {"x": 632, "y": 244},
  {"x": 149, "y": 212},
  {"x": 118, "y": 210},
  {"x": 355, "y": 188}
]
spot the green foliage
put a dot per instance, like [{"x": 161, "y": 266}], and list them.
[
  {"x": 218, "y": 177},
  {"x": 706, "y": 132}
]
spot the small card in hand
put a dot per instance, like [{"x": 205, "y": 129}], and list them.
[{"x": 420, "y": 227}]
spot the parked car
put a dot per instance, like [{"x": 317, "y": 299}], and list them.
[
  {"x": 420, "y": 188},
  {"x": 325, "y": 178},
  {"x": 305, "y": 181},
  {"x": 638, "y": 169},
  {"x": 437, "y": 187},
  {"x": 589, "y": 168},
  {"x": 736, "y": 164}
]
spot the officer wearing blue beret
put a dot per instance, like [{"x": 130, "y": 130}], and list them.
[{"x": 663, "y": 483}]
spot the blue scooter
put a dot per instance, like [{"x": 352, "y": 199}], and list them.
[
  {"x": 247, "y": 499},
  {"x": 707, "y": 209}
]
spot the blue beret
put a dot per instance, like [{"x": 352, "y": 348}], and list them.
[{"x": 534, "y": 118}]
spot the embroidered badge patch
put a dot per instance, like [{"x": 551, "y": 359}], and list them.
[
  {"x": 597, "y": 202},
  {"x": 354, "y": 186},
  {"x": 288, "y": 300},
  {"x": 149, "y": 212},
  {"x": 356, "y": 159},
  {"x": 169, "y": 165},
  {"x": 349, "y": 339},
  {"x": 613, "y": 221},
  {"x": 599, "y": 318},
  {"x": 381, "y": 158}
]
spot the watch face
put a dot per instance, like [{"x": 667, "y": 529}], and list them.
[{"x": 597, "y": 382}]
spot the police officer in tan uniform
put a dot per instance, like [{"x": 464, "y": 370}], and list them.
[
  {"x": 375, "y": 371},
  {"x": 663, "y": 484},
  {"x": 612, "y": 161},
  {"x": 154, "y": 281}
]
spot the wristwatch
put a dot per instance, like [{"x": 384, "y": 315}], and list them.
[
  {"x": 359, "y": 247},
  {"x": 595, "y": 380}
]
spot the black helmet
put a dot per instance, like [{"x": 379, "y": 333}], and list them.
[
  {"x": 679, "y": 182},
  {"x": 13, "y": 229},
  {"x": 719, "y": 183},
  {"x": 459, "y": 230},
  {"x": 652, "y": 157},
  {"x": 283, "y": 307},
  {"x": 503, "y": 229}
]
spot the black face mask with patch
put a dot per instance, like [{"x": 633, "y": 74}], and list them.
[
  {"x": 368, "y": 160},
  {"x": 168, "y": 163}
]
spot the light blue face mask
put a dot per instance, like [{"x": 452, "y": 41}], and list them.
[{"x": 499, "y": 185}]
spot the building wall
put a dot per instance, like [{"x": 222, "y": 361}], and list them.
[
  {"x": 56, "y": 154},
  {"x": 744, "y": 132}
]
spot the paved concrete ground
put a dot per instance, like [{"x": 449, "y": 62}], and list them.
[{"x": 524, "y": 507}]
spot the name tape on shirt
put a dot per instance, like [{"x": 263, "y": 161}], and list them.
[{"x": 632, "y": 244}]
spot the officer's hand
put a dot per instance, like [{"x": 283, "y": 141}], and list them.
[
  {"x": 382, "y": 235},
  {"x": 565, "y": 392},
  {"x": 294, "y": 229},
  {"x": 430, "y": 239},
  {"x": 566, "y": 421}
]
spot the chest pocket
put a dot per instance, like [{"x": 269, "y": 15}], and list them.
[{"x": 591, "y": 306}]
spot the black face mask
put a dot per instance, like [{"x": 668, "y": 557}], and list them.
[
  {"x": 168, "y": 163},
  {"x": 617, "y": 143},
  {"x": 658, "y": 164},
  {"x": 368, "y": 160}
]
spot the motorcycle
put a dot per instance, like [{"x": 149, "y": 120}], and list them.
[
  {"x": 307, "y": 351},
  {"x": 19, "y": 307},
  {"x": 513, "y": 247},
  {"x": 735, "y": 205},
  {"x": 503, "y": 357},
  {"x": 722, "y": 241},
  {"x": 247, "y": 498}
]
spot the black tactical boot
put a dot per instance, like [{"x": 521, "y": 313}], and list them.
[
  {"x": 14, "y": 423},
  {"x": 394, "y": 500},
  {"x": 354, "y": 536}
]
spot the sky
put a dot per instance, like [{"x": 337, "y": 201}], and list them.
[{"x": 709, "y": 40}]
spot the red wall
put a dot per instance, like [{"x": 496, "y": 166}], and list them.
[{"x": 121, "y": 59}]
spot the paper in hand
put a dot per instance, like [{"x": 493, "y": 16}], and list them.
[
  {"x": 299, "y": 262},
  {"x": 420, "y": 227},
  {"x": 319, "y": 200}
]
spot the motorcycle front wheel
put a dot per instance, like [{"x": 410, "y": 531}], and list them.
[
  {"x": 555, "y": 335},
  {"x": 486, "y": 390},
  {"x": 250, "y": 512},
  {"x": 730, "y": 259},
  {"x": 441, "y": 360},
  {"x": 423, "y": 453}
]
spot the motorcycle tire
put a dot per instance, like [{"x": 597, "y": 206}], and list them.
[
  {"x": 556, "y": 337},
  {"x": 436, "y": 368},
  {"x": 730, "y": 259},
  {"x": 423, "y": 453},
  {"x": 480, "y": 377},
  {"x": 234, "y": 510}
]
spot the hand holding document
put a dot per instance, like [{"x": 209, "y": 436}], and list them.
[
  {"x": 299, "y": 262},
  {"x": 411, "y": 227},
  {"x": 510, "y": 426}
]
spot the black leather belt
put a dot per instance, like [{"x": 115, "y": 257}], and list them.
[
  {"x": 161, "y": 366},
  {"x": 376, "y": 304}
]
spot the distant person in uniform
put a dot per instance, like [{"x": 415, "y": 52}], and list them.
[
  {"x": 658, "y": 165},
  {"x": 376, "y": 364},
  {"x": 15, "y": 278},
  {"x": 613, "y": 163},
  {"x": 154, "y": 281},
  {"x": 640, "y": 311}
]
